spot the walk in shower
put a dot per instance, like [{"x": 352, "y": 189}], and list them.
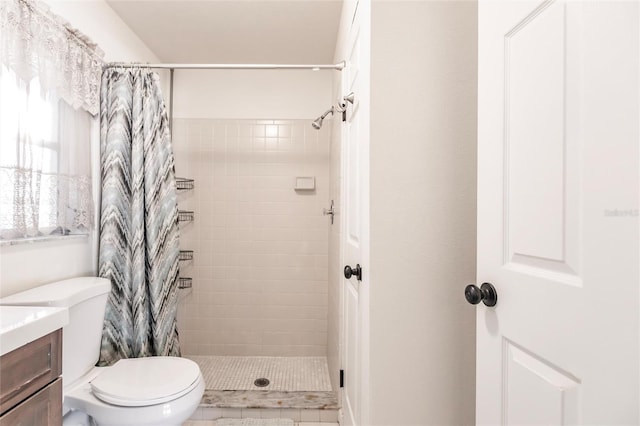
[{"x": 254, "y": 316}]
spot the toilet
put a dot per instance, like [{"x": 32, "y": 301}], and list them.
[{"x": 137, "y": 391}]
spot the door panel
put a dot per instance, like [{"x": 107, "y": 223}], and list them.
[
  {"x": 537, "y": 393},
  {"x": 558, "y": 148},
  {"x": 350, "y": 365},
  {"x": 534, "y": 93},
  {"x": 353, "y": 228},
  {"x": 355, "y": 223},
  {"x": 542, "y": 144}
]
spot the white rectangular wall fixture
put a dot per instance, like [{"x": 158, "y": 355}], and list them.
[{"x": 305, "y": 183}]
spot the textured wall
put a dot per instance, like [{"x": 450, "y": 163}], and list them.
[
  {"x": 423, "y": 211},
  {"x": 251, "y": 94}
]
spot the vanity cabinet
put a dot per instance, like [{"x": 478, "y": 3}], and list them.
[{"x": 30, "y": 383}]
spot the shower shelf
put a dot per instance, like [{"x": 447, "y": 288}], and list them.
[
  {"x": 184, "y": 184},
  {"x": 185, "y": 216},
  {"x": 186, "y": 255},
  {"x": 184, "y": 282}
]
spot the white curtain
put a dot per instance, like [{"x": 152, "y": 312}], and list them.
[
  {"x": 45, "y": 176},
  {"x": 34, "y": 42},
  {"x": 49, "y": 88}
]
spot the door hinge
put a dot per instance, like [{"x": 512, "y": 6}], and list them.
[{"x": 341, "y": 378}]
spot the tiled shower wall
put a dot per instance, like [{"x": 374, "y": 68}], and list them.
[{"x": 260, "y": 248}]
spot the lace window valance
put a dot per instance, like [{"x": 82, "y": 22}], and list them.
[
  {"x": 34, "y": 42},
  {"x": 49, "y": 86}
]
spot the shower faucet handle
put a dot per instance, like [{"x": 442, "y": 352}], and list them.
[
  {"x": 329, "y": 212},
  {"x": 350, "y": 97},
  {"x": 342, "y": 104}
]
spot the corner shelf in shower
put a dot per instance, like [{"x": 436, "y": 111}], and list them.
[
  {"x": 185, "y": 216},
  {"x": 184, "y": 184},
  {"x": 185, "y": 255},
  {"x": 185, "y": 282}
]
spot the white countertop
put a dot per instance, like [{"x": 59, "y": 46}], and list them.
[{"x": 20, "y": 325}]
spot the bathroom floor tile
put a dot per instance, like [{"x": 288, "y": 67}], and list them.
[{"x": 316, "y": 424}]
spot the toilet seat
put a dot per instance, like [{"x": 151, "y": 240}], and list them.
[
  {"x": 79, "y": 396},
  {"x": 139, "y": 382}
]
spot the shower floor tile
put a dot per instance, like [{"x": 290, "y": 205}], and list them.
[{"x": 290, "y": 374}]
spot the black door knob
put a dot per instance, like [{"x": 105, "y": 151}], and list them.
[
  {"x": 349, "y": 272},
  {"x": 486, "y": 293}
]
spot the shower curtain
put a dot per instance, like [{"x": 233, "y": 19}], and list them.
[{"x": 139, "y": 218}]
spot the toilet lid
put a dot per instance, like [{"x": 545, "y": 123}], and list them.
[{"x": 136, "y": 382}]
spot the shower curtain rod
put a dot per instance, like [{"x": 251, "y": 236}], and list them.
[{"x": 339, "y": 66}]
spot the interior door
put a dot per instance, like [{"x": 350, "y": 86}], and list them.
[
  {"x": 558, "y": 212},
  {"x": 355, "y": 220}
]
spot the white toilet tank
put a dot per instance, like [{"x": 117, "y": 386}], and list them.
[{"x": 86, "y": 299}]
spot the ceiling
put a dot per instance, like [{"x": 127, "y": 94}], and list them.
[{"x": 239, "y": 31}]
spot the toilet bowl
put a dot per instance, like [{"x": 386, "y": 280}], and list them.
[
  {"x": 138, "y": 391},
  {"x": 158, "y": 391}
]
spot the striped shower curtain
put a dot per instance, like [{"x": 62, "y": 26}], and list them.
[{"x": 139, "y": 218}]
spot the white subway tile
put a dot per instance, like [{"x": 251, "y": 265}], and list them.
[
  {"x": 329, "y": 416},
  {"x": 310, "y": 415},
  {"x": 271, "y": 143},
  {"x": 211, "y": 413},
  {"x": 245, "y": 131},
  {"x": 290, "y": 413},
  {"x": 259, "y": 131},
  {"x": 270, "y": 413},
  {"x": 316, "y": 424},
  {"x": 251, "y": 413},
  {"x": 232, "y": 413}
]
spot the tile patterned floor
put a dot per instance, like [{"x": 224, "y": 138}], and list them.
[
  {"x": 297, "y": 415},
  {"x": 253, "y": 422},
  {"x": 292, "y": 374},
  {"x": 213, "y": 423}
]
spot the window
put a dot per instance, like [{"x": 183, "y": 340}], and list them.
[
  {"x": 45, "y": 184},
  {"x": 49, "y": 90}
]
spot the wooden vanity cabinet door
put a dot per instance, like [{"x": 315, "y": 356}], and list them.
[
  {"x": 30, "y": 383},
  {"x": 44, "y": 408},
  {"x": 29, "y": 368}
]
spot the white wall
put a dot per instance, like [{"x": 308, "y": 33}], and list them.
[
  {"x": 25, "y": 266},
  {"x": 423, "y": 211},
  {"x": 251, "y": 94},
  {"x": 98, "y": 21}
]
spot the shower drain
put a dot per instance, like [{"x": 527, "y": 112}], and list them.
[{"x": 261, "y": 382}]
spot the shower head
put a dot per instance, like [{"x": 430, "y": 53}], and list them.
[{"x": 317, "y": 123}]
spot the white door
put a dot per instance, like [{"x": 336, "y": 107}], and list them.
[
  {"x": 355, "y": 220},
  {"x": 558, "y": 227}
]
